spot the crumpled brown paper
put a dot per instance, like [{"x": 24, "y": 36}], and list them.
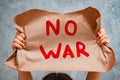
[{"x": 71, "y": 35}]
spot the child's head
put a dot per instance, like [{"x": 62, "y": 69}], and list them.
[{"x": 57, "y": 76}]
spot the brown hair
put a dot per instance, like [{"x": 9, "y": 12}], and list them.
[{"x": 57, "y": 76}]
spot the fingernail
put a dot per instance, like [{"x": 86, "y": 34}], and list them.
[
  {"x": 23, "y": 44},
  {"x": 23, "y": 35},
  {"x": 98, "y": 32}
]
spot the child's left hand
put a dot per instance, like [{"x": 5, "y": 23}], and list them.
[{"x": 102, "y": 37}]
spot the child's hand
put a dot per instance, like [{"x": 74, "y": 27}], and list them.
[
  {"x": 19, "y": 41},
  {"x": 102, "y": 38}
]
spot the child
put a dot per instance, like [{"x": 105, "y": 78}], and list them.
[
  {"x": 19, "y": 43},
  {"x": 57, "y": 76}
]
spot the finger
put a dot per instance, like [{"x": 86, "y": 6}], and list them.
[
  {"x": 15, "y": 45},
  {"x": 19, "y": 42},
  {"x": 103, "y": 34},
  {"x": 104, "y": 41},
  {"x": 22, "y": 35},
  {"x": 103, "y": 37},
  {"x": 20, "y": 38},
  {"x": 101, "y": 31}
]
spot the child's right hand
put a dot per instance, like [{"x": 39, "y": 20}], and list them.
[{"x": 19, "y": 41}]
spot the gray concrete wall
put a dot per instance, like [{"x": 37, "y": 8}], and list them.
[{"x": 109, "y": 9}]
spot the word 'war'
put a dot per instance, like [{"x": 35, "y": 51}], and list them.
[{"x": 80, "y": 49}]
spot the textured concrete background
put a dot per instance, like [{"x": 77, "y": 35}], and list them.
[{"x": 109, "y": 9}]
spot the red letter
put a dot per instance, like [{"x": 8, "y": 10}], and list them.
[
  {"x": 66, "y": 27},
  {"x": 51, "y": 53},
  {"x": 49, "y": 24},
  {"x": 81, "y": 50},
  {"x": 68, "y": 51}
]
